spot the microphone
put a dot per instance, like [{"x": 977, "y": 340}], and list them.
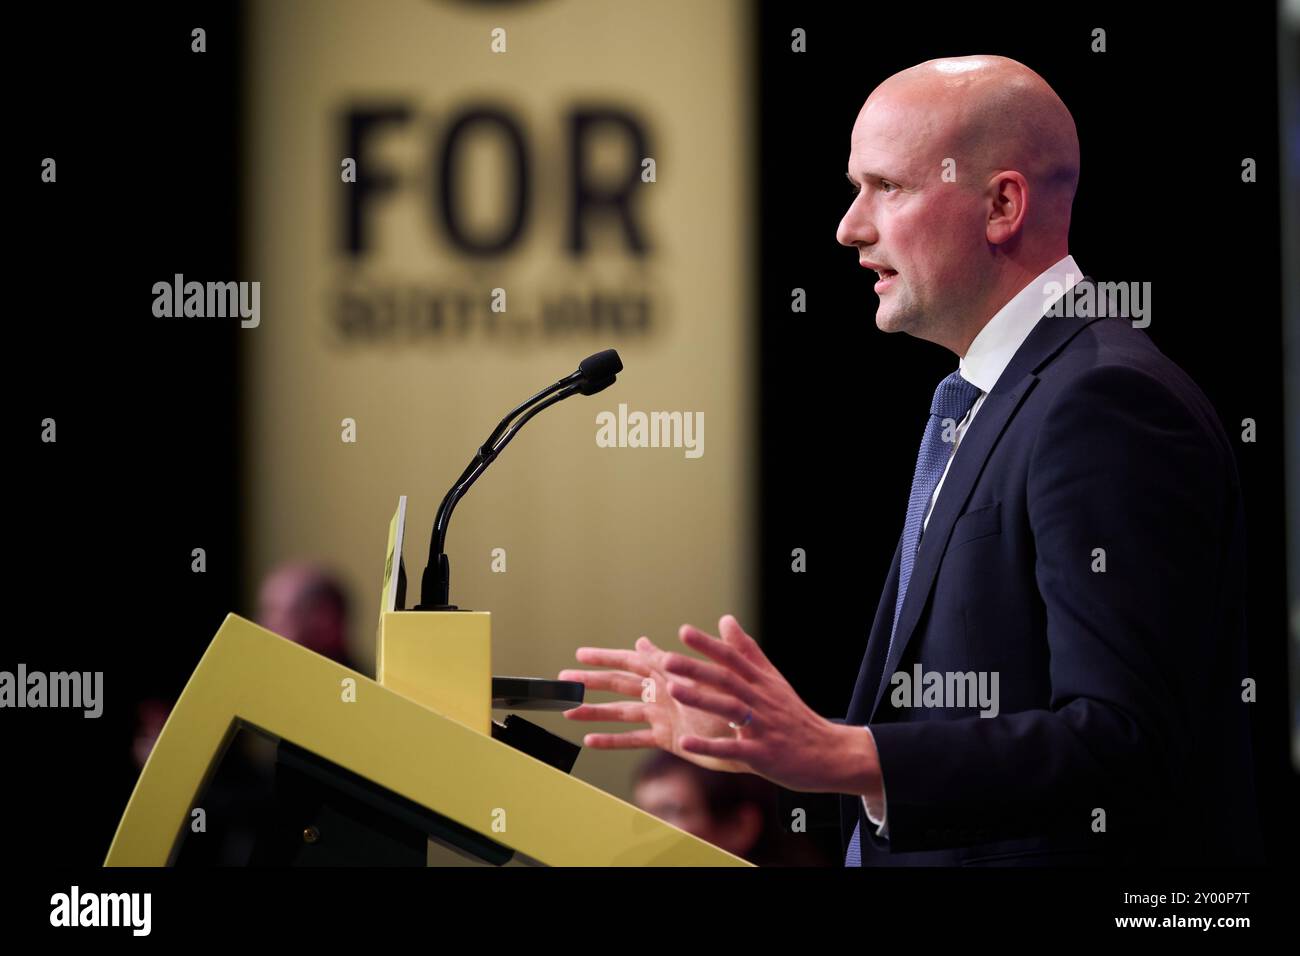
[
  {"x": 597, "y": 368},
  {"x": 595, "y": 374}
]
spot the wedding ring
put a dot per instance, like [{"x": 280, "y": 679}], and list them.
[{"x": 744, "y": 723}]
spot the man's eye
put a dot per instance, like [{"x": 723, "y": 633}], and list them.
[{"x": 886, "y": 182}]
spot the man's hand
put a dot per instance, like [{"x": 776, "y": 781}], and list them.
[
  {"x": 642, "y": 676},
  {"x": 777, "y": 735}
]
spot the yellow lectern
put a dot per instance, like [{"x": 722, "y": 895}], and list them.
[{"x": 422, "y": 733}]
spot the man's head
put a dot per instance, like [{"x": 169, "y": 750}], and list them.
[
  {"x": 308, "y": 606},
  {"x": 965, "y": 168}
]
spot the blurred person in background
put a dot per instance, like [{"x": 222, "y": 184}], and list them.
[
  {"x": 736, "y": 812},
  {"x": 307, "y": 605},
  {"x": 298, "y": 601},
  {"x": 303, "y": 603}
]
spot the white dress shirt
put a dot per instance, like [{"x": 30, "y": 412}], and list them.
[{"x": 983, "y": 364}]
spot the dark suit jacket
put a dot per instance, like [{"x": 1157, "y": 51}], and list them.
[{"x": 1120, "y": 690}]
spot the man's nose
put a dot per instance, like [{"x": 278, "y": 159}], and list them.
[
  {"x": 842, "y": 233},
  {"x": 854, "y": 229}
]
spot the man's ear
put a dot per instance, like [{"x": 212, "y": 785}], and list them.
[{"x": 1008, "y": 194}]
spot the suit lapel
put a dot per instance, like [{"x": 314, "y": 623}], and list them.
[
  {"x": 874, "y": 659},
  {"x": 1049, "y": 336},
  {"x": 965, "y": 468}
]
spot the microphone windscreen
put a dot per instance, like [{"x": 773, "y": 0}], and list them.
[
  {"x": 602, "y": 365},
  {"x": 590, "y": 387}
]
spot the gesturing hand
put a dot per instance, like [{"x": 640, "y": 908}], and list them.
[
  {"x": 733, "y": 712},
  {"x": 641, "y": 675}
]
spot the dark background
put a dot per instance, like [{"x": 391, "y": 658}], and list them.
[
  {"x": 147, "y": 465},
  {"x": 145, "y": 135}
]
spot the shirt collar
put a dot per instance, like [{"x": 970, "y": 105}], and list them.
[{"x": 992, "y": 349}]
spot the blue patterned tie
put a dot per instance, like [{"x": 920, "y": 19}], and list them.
[{"x": 952, "y": 401}]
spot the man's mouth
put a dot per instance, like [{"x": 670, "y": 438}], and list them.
[
  {"x": 886, "y": 279},
  {"x": 884, "y": 272}
]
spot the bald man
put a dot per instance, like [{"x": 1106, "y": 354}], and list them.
[{"x": 1054, "y": 671}]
